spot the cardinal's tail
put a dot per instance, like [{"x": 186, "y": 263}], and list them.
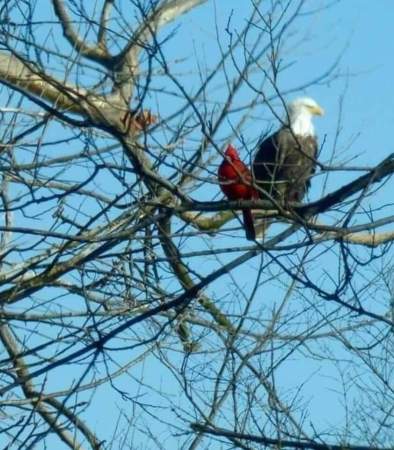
[{"x": 249, "y": 225}]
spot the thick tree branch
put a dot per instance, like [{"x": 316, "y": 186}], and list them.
[
  {"x": 64, "y": 96},
  {"x": 96, "y": 53},
  {"x": 381, "y": 171},
  {"x": 369, "y": 240},
  {"x": 127, "y": 60},
  {"x": 102, "y": 111},
  {"x": 300, "y": 212},
  {"x": 279, "y": 443},
  {"x": 204, "y": 223},
  {"x": 102, "y": 33},
  {"x": 183, "y": 274},
  {"x": 160, "y": 17},
  {"x": 171, "y": 10}
]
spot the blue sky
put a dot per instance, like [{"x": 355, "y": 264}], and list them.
[
  {"x": 357, "y": 31},
  {"x": 360, "y": 33}
]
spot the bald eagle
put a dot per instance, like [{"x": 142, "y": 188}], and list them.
[{"x": 286, "y": 160}]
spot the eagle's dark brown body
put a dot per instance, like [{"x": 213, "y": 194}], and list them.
[{"x": 284, "y": 164}]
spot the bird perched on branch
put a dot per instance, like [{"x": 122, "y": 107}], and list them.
[
  {"x": 286, "y": 160},
  {"x": 137, "y": 121},
  {"x": 235, "y": 181}
]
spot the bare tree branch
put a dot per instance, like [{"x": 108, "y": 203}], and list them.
[
  {"x": 278, "y": 443},
  {"x": 96, "y": 53}
]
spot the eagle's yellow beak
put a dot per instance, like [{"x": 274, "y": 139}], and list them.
[{"x": 317, "y": 110}]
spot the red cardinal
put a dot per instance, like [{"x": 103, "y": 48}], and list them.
[{"x": 235, "y": 181}]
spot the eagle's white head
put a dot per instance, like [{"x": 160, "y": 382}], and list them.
[{"x": 299, "y": 115}]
